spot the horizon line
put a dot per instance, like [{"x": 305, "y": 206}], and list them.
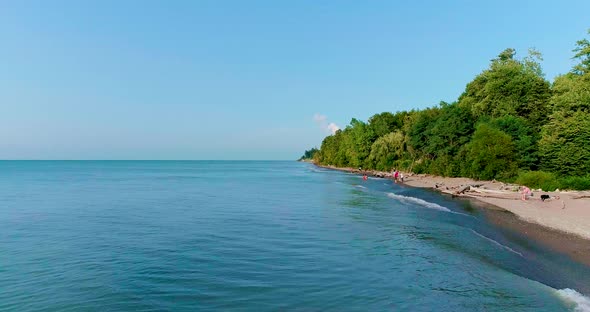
[{"x": 148, "y": 159}]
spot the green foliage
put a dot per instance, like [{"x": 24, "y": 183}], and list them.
[
  {"x": 421, "y": 166},
  {"x": 386, "y": 150},
  {"x": 449, "y": 131},
  {"x": 575, "y": 183},
  {"x": 524, "y": 138},
  {"x": 358, "y": 140},
  {"x": 445, "y": 165},
  {"x": 491, "y": 154},
  {"x": 418, "y": 129},
  {"x": 564, "y": 145},
  {"x": 582, "y": 51},
  {"x": 386, "y": 122},
  {"x": 506, "y": 55},
  {"x": 571, "y": 93},
  {"x": 403, "y": 164},
  {"x": 538, "y": 180},
  {"x": 309, "y": 154},
  {"x": 509, "y": 87},
  {"x": 532, "y": 61},
  {"x": 550, "y": 182},
  {"x": 331, "y": 151},
  {"x": 508, "y": 120},
  {"x": 564, "y": 140}
]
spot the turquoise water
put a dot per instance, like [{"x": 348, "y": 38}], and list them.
[{"x": 264, "y": 236}]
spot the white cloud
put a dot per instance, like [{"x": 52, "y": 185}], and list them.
[
  {"x": 333, "y": 127},
  {"x": 322, "y": 121}
]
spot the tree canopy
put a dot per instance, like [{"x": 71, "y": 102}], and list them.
[{"x": 508, "y": 121}]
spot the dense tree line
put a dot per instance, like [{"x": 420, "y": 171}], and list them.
[
  {"x": 309, "y": 154},
  {"x": 509, "y": 124}
]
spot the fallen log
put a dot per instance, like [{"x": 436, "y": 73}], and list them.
[{"x": 463, "y": 189}]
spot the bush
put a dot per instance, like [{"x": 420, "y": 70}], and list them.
[
  {"x": 421, "y": 166},
  {"x": 549, "y": 182},
  {"x": 575, "y": 183},
  {"x": 441, "y": 166},
  {"x": 403, "y": 164},
  {"x": 538, "y": 179}
]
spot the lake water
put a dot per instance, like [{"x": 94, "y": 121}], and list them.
[{"x": 261, "y": 236}]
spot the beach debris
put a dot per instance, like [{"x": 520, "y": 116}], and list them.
[
  {"x": 508, "y": 187},
  {"x": 463, "y": 189}
]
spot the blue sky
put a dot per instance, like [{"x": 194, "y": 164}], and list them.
[{"x": 244, "y": 79}]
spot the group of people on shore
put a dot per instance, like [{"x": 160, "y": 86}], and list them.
[{"x": 397, "y": 176}]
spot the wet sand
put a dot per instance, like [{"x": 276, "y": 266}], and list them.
[{"x": 574, "y": 246}]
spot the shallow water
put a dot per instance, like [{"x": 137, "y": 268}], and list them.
[{"x": 185, "y": 236}]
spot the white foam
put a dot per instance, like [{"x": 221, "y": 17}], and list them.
[
  {"x": 359, "y": 186},
  {"x": 579, "y": 302},
  {"x": 418, "y": 201},
  {"x": 497, "y": 243},
  {"x": 423, "y": 203}
]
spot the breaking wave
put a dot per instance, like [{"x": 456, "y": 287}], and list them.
[
  {"x": 423, "y": 203},
  {"x": 579, "y": 302}
]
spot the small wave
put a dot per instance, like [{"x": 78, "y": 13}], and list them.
[
  {"x": 578, "y": 301},
  {"x": 497, "y": 243},
  {"x": 421, "y": 202},
  {"x": 359, "y": 186},
  {"x": 418, "y": 201}
]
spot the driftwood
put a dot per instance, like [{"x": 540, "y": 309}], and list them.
[
  {"x": 581, "y": 196},
  {"x": 463, "y": 189}
]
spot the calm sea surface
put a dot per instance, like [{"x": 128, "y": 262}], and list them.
[{"x": 260, "y": 236}]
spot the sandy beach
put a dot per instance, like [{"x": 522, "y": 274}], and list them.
[{"x": 565, "y": 211}]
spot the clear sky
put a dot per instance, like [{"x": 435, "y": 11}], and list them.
[{"x": 245, "y": 79}]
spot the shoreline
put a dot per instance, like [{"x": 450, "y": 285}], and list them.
[{"x": 562, "y": 223}]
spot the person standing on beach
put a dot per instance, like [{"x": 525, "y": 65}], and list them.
[{"x": 396, "y": 176}]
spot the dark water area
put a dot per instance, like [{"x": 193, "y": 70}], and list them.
[{"x": 233, "y": 235}]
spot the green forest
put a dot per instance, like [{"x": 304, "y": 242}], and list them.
[{"x": 509, "y": 124}]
